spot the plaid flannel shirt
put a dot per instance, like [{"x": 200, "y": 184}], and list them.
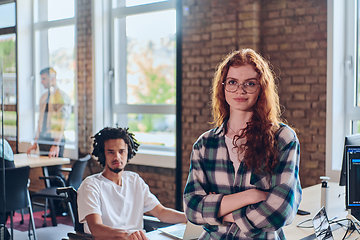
[{"x": 211, "y": 170}]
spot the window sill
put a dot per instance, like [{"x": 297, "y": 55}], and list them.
[{"x": 155, "y": 158}]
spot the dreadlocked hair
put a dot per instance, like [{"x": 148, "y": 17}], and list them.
[{"x": 113, "y": 133}]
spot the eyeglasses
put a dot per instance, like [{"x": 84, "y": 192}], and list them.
[{"x": 250, "y": 86}]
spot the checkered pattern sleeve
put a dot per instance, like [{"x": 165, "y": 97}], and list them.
[
  {"x": 200, "y": 206},
  {"x": 284, "y": 193}
]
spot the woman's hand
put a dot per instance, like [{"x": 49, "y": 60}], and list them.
[{"x": 228, "y": 218}]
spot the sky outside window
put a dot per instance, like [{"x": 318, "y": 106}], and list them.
[{"x": 7, "y": 15}]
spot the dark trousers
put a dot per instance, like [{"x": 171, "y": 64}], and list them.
[{"x": 54, "y": 170}]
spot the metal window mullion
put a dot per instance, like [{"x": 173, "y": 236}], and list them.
[
  {"x": 55, "y": 23},
  {"x": 144, "y": 8},
  {"x": 119, "y": 63},
  {"x": 122, "y": 54},
  {"x": 42, "y": 10},
  {"x": 145, "y": 109},
  {"x": 351, "y": 110}
]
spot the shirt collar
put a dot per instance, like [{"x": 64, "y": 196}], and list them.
[{"x": 221, "y": 129}]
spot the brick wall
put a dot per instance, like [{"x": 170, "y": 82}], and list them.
[
  {"x": 291, "y": 34},
  {"x": 84, "y": 75},
  {"x": 294, "y": 37}
]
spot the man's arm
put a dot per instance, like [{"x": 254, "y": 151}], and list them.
[
  {"x": 101, "y": 231},
  {"x": 62, "y": 108},
  {"x": 168, "y": 215},
  {"x": 34, "y": 145}
]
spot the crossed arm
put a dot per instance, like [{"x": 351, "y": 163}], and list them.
[{"x": 232, "y": 202}]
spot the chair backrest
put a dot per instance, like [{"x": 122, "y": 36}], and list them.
[
  {"x": 72, "y": 198},
  {"x": 8, "y": 164},
  {"x": 76, "y": 174},
  {"x": 16, "y": 181}
]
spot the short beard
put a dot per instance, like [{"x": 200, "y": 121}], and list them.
[{"x": 115, "y": 170}]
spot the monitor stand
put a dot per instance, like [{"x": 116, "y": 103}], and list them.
[{"x": 354, "y": 213}]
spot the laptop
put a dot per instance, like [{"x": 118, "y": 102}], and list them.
[
  {"x": 183, "y": 231},
  {"x": 322, "y": 226}
]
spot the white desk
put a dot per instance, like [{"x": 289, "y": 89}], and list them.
[
  {"x": 311, "y": 203},
  {"x": 22, "y": 159},
  {"x": 157, "y": 235}
]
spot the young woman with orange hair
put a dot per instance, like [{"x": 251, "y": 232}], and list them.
[{"x": 243, "y": 181}]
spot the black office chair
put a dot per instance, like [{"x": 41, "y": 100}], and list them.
[
  {"x": 71, "y": 198},
  {"x": 10, "y": 164},
  {"x": 74, "y": 180},
  {"x": 17, "y": 194}
]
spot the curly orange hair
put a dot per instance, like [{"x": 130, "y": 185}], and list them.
[{"x": 260, "y": 147}]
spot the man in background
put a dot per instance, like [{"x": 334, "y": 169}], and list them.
[{"x": 54, "y": 113}]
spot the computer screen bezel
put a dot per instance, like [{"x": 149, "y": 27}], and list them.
[
  {"x": 347, "y": 179},
  {"x": 350, "y": 140}
]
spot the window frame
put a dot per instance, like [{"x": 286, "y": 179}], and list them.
[
  {"x": 9, "y": 107},
  {"x": 27, "y": 103},
  {"x": 342, "y": 63},
  {"x": 104, "y": 65}
]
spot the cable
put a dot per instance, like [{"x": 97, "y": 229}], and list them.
[
  {"x": 351, "y": 226},
  {"x": 302, "y": 222}
]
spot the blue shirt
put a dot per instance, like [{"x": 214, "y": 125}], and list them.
[{"x": 8, "y": 153}]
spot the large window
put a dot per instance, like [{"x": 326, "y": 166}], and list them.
[
  {"x": 352, "y": 69},
  {"x": 54, "y": 47},
  {"x": 135, "y": 74},
  {"x": 354, "y": 87},
  {"x": 8, "y": 116},
  {"x": 343, "y": 92},
  {"x": 143, "y": 60}
]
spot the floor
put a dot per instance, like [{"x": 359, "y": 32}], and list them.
[
  {"x": 48, "y": 233},
  {"x": 44, "y": 233}
]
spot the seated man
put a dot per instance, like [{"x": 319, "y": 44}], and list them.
[
  {"x": 111, "y": 203},
  {"x": 8, "y": 154}
]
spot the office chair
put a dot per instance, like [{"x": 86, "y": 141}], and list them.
[
  {"x": 71, "y": 198},
  {"x": 10, "y": 164},
  {"x": 17, "y": 194},
  {"x": 74, "y": 180}
]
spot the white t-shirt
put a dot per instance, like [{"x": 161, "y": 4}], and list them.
[{"x": 120, "y": 207}]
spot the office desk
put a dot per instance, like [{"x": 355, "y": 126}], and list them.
[
  {"x": 157, "y": 235},
  {"x": 34, "y": 161},
  {"x": 22, "y": 159},
  {"x": 310, "y": 202}
]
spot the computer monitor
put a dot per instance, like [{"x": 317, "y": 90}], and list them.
[
  {"x": 352, "y": 186},
  {"x": 353, "y": 140}
]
